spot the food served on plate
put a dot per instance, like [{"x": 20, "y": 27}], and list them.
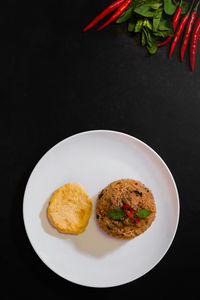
[
  {"x": 125, "y": 208},
  {"x": 70, "y": 208}
]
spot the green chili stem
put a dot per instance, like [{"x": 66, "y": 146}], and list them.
[
  {"x": 189, "y": 11},
  {"x": 196, "y": 6}
]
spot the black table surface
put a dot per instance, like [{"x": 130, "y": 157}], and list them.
[{"x": 57, "y": 81}]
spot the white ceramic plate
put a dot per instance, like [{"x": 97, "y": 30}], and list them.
[{"x": 94, "y": 159}]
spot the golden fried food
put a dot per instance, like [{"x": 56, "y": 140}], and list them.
[{"x": 70, "y": 208}]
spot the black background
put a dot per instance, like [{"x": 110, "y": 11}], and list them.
[{"x": 57, "y": 81}]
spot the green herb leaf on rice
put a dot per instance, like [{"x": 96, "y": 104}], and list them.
[
  {"x": 116, "y": 214},
  {"x": 143, "y": 213},
  {"x": 119, "y": 213}
]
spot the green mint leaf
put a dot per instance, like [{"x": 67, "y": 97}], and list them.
[
  {"x": 170, "y": 7},
  {"x": 137, "y": 3},
  {"x": 148, "y": 8},
  {"x": 156, "y": 19},
  {"x": 131, "y": 26},
  {"x": 125, "y": 16},
  {"x": 145, "y": 11},
  {"x": 156, "y": 5},
  {"x": 143, "y": 39},
  {"x": 151, "y": 43},
  {"x": 138, "y": 26},
  {"x": 152, "y": 49},
  {"x": 185, "y": 7},
  {"x": 165, "y": 24},
  {"x": 116, "y": 214},
  {"x": 163, "y": 33},
  {"x": 148, "y": 36},
  {"x": 147, "y": 24},
  {"x": 143, "y": 213}
]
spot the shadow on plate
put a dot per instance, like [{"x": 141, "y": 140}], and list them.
[{"x": 93, "y": 241}]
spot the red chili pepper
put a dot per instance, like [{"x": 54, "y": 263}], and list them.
[
  {"x": 175, "y": 20},
  {"x": 104, "y": 13},
  {"x": 116, "y": 14},
  {"x": 194, "y": 42},
  {"x": 165, "y": 42},
  {"x": 131, "y": 213},
  {"x": 188, "y": 30},
  {"x": 180, "y": 30}
]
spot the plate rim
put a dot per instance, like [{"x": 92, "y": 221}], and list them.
[{"x": 143, "y": 144}]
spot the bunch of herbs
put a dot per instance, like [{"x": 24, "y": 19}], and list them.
[{"x": 152, "y": 19}]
